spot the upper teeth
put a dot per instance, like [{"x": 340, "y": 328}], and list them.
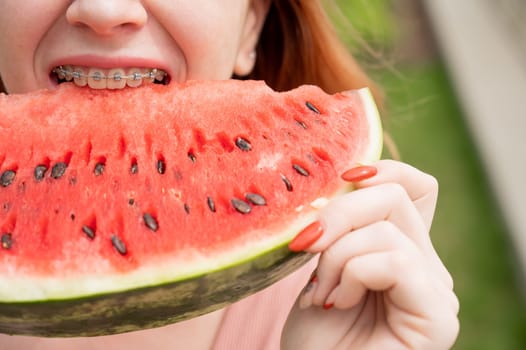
[{"x": 115, "y": 78}]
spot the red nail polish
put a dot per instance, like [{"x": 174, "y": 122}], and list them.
[
  {"x": 306, "y": 237},
  {"x": 310, "y": 285},
  {"x": 359, "y": 173},
  {"x": 328, "y": 306}
]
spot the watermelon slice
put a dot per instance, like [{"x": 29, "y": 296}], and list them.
[{"x": 130, "y": 209}]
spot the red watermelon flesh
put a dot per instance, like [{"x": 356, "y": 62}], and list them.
[{"x": 105, "y": 191}]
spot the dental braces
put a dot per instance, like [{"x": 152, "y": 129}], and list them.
[{"x": 67, "y": 74}]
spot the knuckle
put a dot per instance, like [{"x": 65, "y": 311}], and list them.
[
  {"x": 423, "y": 341},
  {"x": 396, "y": 192},
  {"x": 389, "y": 236},
  {"x": 449, "y": 329},
  {"x": 390, "y": 163},
  {"x": 388, "y": 227},
  {"x": 431, "y": 183},
  {"x": 330, "y": 257},
  {"x": 440, "y": 333},
  {"x": 450, "y": 283},
  {"x": 455, "y": 329},
  {"x": 388, "y": 232},
  {"x": 401, "y": 261},
  {"x": 455, "y": 303}
]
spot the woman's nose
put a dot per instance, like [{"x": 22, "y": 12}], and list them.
[{"x": 107, "y": 17}]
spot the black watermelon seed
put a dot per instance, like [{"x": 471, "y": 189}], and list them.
[
  {"x": 211, "y": 204},
  {"x": 131, "y": 201},
  {"x": 150, "y": 222},
  {"x": 256, "y": 199},
  {"x": 300, "y": 170},
  {"x": 243, "y": 144},
  {"x": 301, "y": 123},
  {"x": 192, "y": 157},
  {"x": 88, "y": 231},
  {"x": 118, "y": 244},
  {"x": 287, "y": 183},
  {"x": 99, "y": 169},
  {"x": 241, "y": 206},
  {"x": 58, "y": 170},
  {"x": 312, "y": 107},
  {"x": 40, "y": 172},
  {"x": 134, "y": 168},
  {"x": 186, "y": 208},
  {"x": 7, "y": 241},
  {"x": 7, "y": 178},
  {"x": 161, "y": 166}
]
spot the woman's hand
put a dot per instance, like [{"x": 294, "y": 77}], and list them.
[{"x": 379, "y": 283}]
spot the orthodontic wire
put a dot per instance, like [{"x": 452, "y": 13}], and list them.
[{"x": 97, "y": 76}]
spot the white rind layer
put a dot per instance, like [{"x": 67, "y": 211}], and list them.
[{"x": 374, "y": 149}]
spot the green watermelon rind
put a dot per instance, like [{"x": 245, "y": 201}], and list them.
[
  {"x": 152, "y": 306},
  {"x": 147, "y": 299}
]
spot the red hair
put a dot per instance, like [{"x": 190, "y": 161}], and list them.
[{"x": 299, "y": 45}]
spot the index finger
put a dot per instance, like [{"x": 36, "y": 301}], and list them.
[{"x": 421, "y": 187}]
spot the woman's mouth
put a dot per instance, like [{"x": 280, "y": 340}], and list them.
[{"x": 114, "y": 78}]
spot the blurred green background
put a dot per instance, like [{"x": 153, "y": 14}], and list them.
[{"x": 423, "y": 116}]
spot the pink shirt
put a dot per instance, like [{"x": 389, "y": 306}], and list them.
[{"x": 256, "y": 322}]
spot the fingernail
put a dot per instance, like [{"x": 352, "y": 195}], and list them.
[
  {"x": 306, "y": 237},
  {"x": 328, "y": 306},
  {"x": 308, "y": 292},
  {"x": 310, "y": 285},
  {"x": 359, "y": 173},
  {"x": 329, "y": 302}
]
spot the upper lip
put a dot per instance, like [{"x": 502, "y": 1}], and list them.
[{"x": 110, "y": 62}]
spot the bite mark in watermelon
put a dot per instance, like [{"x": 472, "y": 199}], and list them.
[{"x": 129, "y": 209}]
